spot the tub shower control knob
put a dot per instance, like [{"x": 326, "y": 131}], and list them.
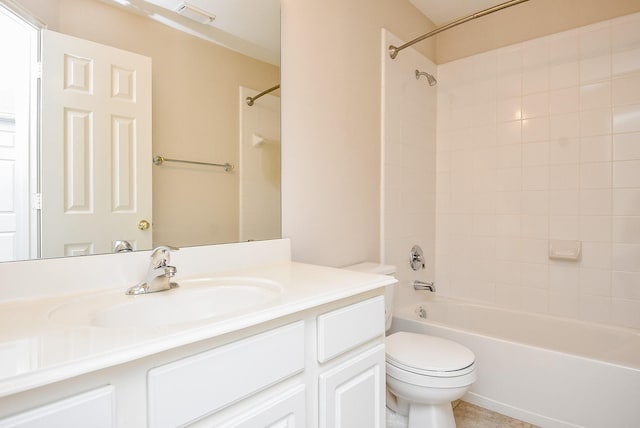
[{"x": 416, "y": 258}]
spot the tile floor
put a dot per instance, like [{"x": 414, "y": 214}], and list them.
[{"x": 470, "y": 416}]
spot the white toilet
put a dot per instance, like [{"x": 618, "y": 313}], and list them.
[{"x": 424, "y": 373}]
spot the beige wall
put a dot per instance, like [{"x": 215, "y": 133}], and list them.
[
  {"x": 195, "y": 113},
  {"x": 526, "y": 21},
  {"x": 331, "y": 123}
]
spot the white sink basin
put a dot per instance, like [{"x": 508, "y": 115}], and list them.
[{"x": 194, "y": 300}]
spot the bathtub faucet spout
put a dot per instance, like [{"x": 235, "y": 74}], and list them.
[{"x": 423, "y": 285}]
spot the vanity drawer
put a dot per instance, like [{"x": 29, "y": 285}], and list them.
[
  {"x": 95, "y": 408},
  {"x": 191, "y": 388},
  {"x": 347, "y": 328}
]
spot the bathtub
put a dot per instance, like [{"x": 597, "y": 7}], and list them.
[{"x": 547, "y": 371}]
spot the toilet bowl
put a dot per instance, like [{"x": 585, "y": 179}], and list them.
[{"x": 424, "y": 374}]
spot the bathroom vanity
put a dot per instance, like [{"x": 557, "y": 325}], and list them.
[{"x": 300, "y": 345}]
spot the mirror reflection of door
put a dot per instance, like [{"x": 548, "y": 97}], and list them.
[
  {"x": 18, "y": 50},
  {"x": 96, "y": 139}
]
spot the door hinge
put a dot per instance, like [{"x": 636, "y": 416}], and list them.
[
  {"x": 36, "y": 201},
  {"x": 38, "y": 70}
]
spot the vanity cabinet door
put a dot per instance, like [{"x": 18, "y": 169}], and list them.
[
  {"x": 282, "y": 410},
  {"x": 352, "y": 394},
  {"x": 94, "y": 408}
]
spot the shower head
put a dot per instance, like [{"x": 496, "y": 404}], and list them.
[{"x": 432, "y": 80}]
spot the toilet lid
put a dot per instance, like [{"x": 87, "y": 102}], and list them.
[{"x": 427, "y": 353}]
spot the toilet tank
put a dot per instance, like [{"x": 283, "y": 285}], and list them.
[{"x": 380, "y": 269}]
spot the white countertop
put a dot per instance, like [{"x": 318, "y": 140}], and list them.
[{"x": 35, "y": 350}]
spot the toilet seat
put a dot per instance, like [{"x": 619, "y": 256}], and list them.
[{"x": 428, "y": 355}]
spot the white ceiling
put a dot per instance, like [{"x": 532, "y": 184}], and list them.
[
  {"x": 445, "y": 11},
  {"x": 247, "y": 26}
]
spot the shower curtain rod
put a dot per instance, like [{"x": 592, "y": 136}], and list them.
[
  {"x": 393, "y": 50},
  {"x": 250, "y": 100}
]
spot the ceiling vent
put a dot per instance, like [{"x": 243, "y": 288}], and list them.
[{"x": 195, "y": 13}]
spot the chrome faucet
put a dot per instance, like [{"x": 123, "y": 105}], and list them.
[
  {"x": 159, "y": 274},
  {"x": 423, "y": 285}
]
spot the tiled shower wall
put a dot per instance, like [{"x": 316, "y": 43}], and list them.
[{"x": 540, "y": 141}]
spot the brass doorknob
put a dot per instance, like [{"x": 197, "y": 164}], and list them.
[{"x": 144, "y": 225}]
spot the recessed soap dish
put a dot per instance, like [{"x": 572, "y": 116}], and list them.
[{"x": 565, "y": 250}]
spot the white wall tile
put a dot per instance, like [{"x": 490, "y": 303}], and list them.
[
  {"x": 625, "y": 285},
  {"x": 626, "y": 174},
  {"x": 535, "y": 154},
  {"x": 625, "y": 313},
  {"x": 508, "y": 132},
  {"x": 595, "y": 228},
  {"x": 535, "y": 178},
  {"x": 564, "y": 228},
  {"x": 565, "y": 100},
  {"x": 509, "y": 202},
  {"x": 564, "y": 202},
  {"x": 626, "y": 201},
  {"x": 595, "y": 202},
  {"x": 534, "y": 300},
  {"x": 565, "y": 176},
  {"x": 564, "y": 126},
  {"x": 595, "y": 175},
  {"x": 567, "y": 74},
  {"x": 535, "y": 79},
  {"x": 595, "y": 308},
  {"x": 564, "y": 278},
  {"x": 595, "y": 40},
  {"x": 535, "y": 53},
  {"x": 596, "y": 255},
  {"x": 625, "y": 257},
  {"x": 509, "y": 59},
  {"x": 509, "y": 156},
  {"x": 595, "y": 69},
  {"x": 535, "y": 226},
  {"x": 535, "y": 105},
  {"x": 534, "y": 275},
  {"x": 626, "y": 230},
  {"x": 564, "y": 151},
  {"x": 595, "y": 281},
  {"x": 563, "y": 47},
  {"x": 595, "y": 122},
  {"x": 595, "y": 149},
  {"x": 595, "y": 95},
  {"x": 626, "y": 146},
  {"x": 537, "y": 202},
  {"x": 545, "y": 145},
  {"x": 536, "y": 129},
  {"x": 626, "y": 118},
  {"x": 625, "y": 62},
  {"x": 626, "y": 90}
]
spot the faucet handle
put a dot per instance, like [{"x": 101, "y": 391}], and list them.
[{"x": 160, "y": 257}]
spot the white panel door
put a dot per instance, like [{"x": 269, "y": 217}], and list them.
[
  {"x": 16, "y": 41},
  {"x": 96, "y": 146}
]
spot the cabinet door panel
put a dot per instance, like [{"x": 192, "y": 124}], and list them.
[
  {"x": 285, "y": 410},
  {"x": 352, "y": 394}
]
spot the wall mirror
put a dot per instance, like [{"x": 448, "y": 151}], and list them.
[{"x": 205, "y": 58}]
